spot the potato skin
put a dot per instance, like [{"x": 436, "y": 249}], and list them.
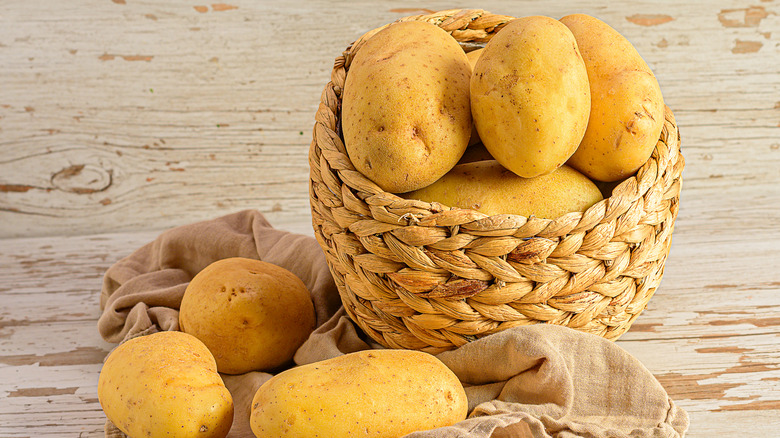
[
  {"x": 530, "y": 97},
  {"x": 252, "y": 315},
  {"x": 487, "y": 187},
  {"x": 165, "y": 385},
  {"x": 473, "y": 56},
  {"x": 627, "y": 108},
  {"x": 406, "y": 118},
  {"x": 373, "y": 393}
]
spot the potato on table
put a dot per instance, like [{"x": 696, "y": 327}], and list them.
[
  {"x": 373, "y": 393},
  {"x": 165, "y": 385},
  {"x": 252, "y": 315}
]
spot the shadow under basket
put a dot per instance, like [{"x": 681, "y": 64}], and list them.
[{"x": 418, "y": 275}]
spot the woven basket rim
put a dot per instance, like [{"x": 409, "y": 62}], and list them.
[{"x": 411, "y": 242}]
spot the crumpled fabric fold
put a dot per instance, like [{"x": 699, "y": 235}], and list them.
[{"x": 532, "y": 381}]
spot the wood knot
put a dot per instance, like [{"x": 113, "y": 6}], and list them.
[{"x": 82, "y": 179}]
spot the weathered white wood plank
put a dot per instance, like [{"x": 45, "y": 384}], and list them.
[
  {"x": 710, "y": 339},
  {"x": 117, "y": 115}
]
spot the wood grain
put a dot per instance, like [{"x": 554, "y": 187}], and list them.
[
  {"x": 115, "y": 115},
  {"x": 122, "y": 118}
]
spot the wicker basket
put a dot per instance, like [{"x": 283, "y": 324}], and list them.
[{"x": 422, "y": 276}]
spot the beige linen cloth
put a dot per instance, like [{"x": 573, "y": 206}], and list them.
[{"x": 535, "y": 381}]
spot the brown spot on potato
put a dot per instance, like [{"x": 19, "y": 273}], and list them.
[
  {"x": 387, "y": 56},
  {"x": 508, "y": 81}
]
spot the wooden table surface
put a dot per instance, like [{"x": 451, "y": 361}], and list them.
[{"x": 122, "y": 118}]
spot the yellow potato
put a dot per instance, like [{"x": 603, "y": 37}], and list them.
[
  {"x": 530, "y": 97},
  {"x": 252, "y": 315},
  {"x": 489, "y": 188},
  {"x": 373, "y": 393},
  {"x": 473, "y": 56},
  {"x": 165, "y": 385},
  {"x": 627, "y": 108},
  {"x": 406, "y": 118}
]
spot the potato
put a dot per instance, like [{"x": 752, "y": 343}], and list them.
[
  {"x": 252, "y": 315},
  {"x": 165, "y": 385},
  {"x": 530, "y": 96},
  {"x": 627, "y": 108},
  {"x": 488, "y": 187},
  {"x": 406, "y": 118},
  {"x": 373, "y": 393},
  {"x": 473, "y": 56}
]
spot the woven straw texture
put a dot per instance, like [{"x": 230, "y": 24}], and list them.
[{"x": 422, "y": 276}]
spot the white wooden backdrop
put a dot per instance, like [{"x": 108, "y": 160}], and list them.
[
  {"x": 120, "y": 118},
  {"x": 121, "y": 115}
]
